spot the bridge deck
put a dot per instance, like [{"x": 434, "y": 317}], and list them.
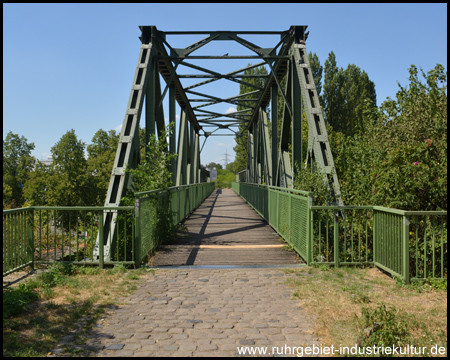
[{"x": 225, "y": 230}]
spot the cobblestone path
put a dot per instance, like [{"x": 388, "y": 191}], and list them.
[{"x": 205, "y": 313}]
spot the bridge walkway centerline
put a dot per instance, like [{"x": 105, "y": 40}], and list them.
[{"x": 224, "y": 230}]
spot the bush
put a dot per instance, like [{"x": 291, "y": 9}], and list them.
[
  {"x": 16, "y": 299},
  {"x": 380, "y": 327}
]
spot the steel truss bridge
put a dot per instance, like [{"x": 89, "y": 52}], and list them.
[
  {"x": 271, "y": 158},
  {"x": 336, "y": 235}
]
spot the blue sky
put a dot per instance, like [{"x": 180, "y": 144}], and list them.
[{"x": 71, "y": 66}]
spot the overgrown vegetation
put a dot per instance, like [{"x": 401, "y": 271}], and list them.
[
  {"x": 64, "y": 301},
  {"x": 151, "y": 174},
  {"x": 224, "y": 178},
  {"x": 369, "y": 308}
]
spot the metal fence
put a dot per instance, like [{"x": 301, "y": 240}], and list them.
[
  {"x": 407, "y": 244},
  {"x": 286, "y": 210},
  {"x": 18, "y": 244},
  {"x": 160, "y": 210},
  {"x": 42, "y": 235}
]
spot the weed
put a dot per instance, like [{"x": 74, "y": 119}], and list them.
[
  {"x": 15, "y": 300},
  {"x": 133, "y": 277},
  {"x": 380, "y": 327},
  {"x": 89, "y": 270},
  {"x": 324, "y": 267},
  {"x": 438, "y": 284}
]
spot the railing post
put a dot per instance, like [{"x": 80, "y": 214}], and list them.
[
  {"x": 336, "y": 240},
  {"x": 309, "y": 233},
  {"x": 405, "y": 248},
  {"x": 101, "y": 240},
  {"x": 31, "y": 239},
  {"x": 137, "y": 235}
]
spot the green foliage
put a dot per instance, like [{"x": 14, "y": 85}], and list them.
[
  {"x": 56, "y": 275},
  {"x": 381, "y": 327},
  {"x": 317, "y": 71},
  {"x": 16, "y": 299},
  {"x": 101, "y": 155},
  {"x": 71, "y": 183},
  {"x": 17, "y": 166},
  {"x": 399, "y": 158},
  {"x": 314, "y": 182},
  {"x": 413, "y": 130},
  {"x": 344, "y": 96},
  {"x": 212, "y": 165},
  {"x": 224, "y": 178},
  {"x": 38, "y": 187},
  {"x": 151, "y": 174}
]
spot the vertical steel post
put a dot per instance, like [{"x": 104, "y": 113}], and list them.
[
  {"x": 196, "y": 158},
  {"x": 191, "y": 154},
  {"x": 182, "y": 147},
  {"x": 274, "y": 133},
  {"x": 336, "y": 240},
  {"x": 296, "y": 101},
  {"x": 405, "y": 249},
  {"x": 172, "y": 136},
  {"x": 101, "y": 240},
  {"x": 137, "y": 235},
  {"x": 31, "y": 240}
]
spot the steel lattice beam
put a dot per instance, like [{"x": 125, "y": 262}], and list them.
[{"x": 269, "y": 158}]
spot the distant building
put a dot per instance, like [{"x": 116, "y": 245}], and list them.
[
  {"x": 47, "y": 162},
  {"x": 212, "y": 174}
]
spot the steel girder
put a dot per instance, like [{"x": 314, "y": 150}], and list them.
[{"x": 269, "y": 158}]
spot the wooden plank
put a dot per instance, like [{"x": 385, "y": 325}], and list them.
[{"x": 225, "y": 230}]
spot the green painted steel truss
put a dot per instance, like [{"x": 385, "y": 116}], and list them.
[{"x": 270, "y": 159}]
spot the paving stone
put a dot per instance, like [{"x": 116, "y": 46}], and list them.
[
  {"x": 170, "y": 348},
  {"x": 207, "y": 347},
  {"x": 246, "y": 342},
  {"x": 115, "y": 347}
]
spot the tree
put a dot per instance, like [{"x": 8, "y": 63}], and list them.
[
  {"x": 17, "y": 165},
  {"x": 36, "y": 189},
  {"x": 344, "y": 95},
  {"x": 214, "y": 165},
  {"x": 412, "y": 136},
  {"x": 72, "y": 180},
  {"x": 152, "y": 173},
  {"x": 101, "y": 155},
  {"x": 400, "y": 159},
  {"x": 316, "y": 70}
]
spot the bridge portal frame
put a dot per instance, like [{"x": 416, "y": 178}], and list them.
[{"x": 271, "y": 158}]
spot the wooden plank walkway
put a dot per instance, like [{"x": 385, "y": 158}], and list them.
[{"x": 225, "y": 230}]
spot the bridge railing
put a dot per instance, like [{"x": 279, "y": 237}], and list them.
[
  {"x": 160, "y": 210},
  {"x": 342, "y": 235},
  {"x": 407, "y": 244},
  {"x": 47, "y": 234},
  {"x": 286, "y": 210}
]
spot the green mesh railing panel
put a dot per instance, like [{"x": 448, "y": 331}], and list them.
[
  {"x": 273, "y": 208},
  {"x": 284, "y": 209},
  {"x": 283, "y": 213},
  {"x": 161, "y": 209},
  {"x": 299, "y": 225},
  {"x": 149, "y": 217},
  {"x": 408, "y": 244}
]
